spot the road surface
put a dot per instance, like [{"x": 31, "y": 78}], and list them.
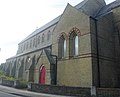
[
  {"x": 12, "y": 92},
  {"x": 3, "y": 94}
]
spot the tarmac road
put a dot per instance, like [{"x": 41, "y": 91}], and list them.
[
  {"x": 12, "y": 92},
  {"x": 3, "y": 94}
]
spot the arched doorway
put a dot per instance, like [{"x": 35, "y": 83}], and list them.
[{"x": 42, "y": 75}]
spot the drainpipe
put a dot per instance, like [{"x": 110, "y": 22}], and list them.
[
  {"x": 97, "y": 52},
  {"x": 55, "y": 68}
]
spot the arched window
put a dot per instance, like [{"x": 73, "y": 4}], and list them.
[
  {"x": 30, "y": 43},
  {"x": 73, "y": 44},
  {"x": 24, "y": 46},
  {"x": 48, "y": 36},
  {"x": 34, "y": 42},
  {"x": 64, "y": 51},
  {"x": 20, "y": 48},
  {"x": 43, "y": 37},
  {"x": 62, "y": 47},
  {"x": 28, "y": 61},
  {"x": 76, "y": 45},
  {"x": 38, "y": 40},
  {"x": 27, "y": 45}
]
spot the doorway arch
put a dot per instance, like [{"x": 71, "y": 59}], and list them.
[{"x": 42, "y": 75}]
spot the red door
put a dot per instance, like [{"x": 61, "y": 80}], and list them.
[{"x": 42, "y": 75}]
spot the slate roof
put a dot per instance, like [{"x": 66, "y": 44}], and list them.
[
  {"x": 51, "y": 23},
  {"x": 78, "y": 6},
  {"x": 101, "y": 12},
  {"x": 106, "y": 9}
]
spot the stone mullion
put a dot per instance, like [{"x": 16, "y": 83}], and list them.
[{"x": 67, "y": 48}]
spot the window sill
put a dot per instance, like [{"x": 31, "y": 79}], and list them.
[
  {"x": 74, "y": 57},
  {"x": 70, "y": 57},
  {"x": 63, "y": 58}
]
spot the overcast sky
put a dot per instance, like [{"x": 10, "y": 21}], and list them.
[{"x": 19, "y": 18}]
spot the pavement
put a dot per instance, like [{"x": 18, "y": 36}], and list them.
[{"x": 25, "y": 93}]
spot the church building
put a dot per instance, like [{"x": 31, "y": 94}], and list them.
[{"x": 79, "y": 48}]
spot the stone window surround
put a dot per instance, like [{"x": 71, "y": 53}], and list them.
[{"x": 77, "y": 33}]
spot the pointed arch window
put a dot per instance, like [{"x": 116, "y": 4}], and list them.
[
  {"x": 27, "y": 45},
  {"x": 64, "y": 52},
  {"x": 30, "y": 43},
  {"x": 48, "y": 35},
  {"x": 28, "y": 61},
  {"x": 34, "y": 42},
  {"x": 43, "y": 37},
  {"x": 76, "y": 45},
  {"x": 38, "y": 39},
  {"x": 62, "y": 47},
  {"x": 74, "y": 48},
  {"x": 24, "y": 46}
]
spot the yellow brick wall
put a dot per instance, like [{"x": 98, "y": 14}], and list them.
[{"x": 75, "y": 72}]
